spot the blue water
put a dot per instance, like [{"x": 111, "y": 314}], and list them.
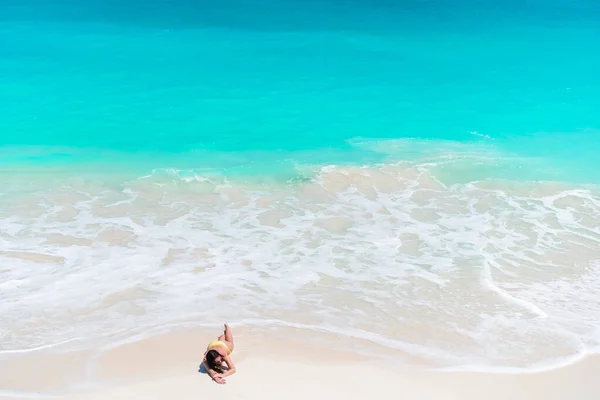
[{"x": 261, "y": 86}]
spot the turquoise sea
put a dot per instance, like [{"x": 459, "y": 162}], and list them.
[
  {"x": 347, "y": 166},
  {"x": 252, "y": 87}
]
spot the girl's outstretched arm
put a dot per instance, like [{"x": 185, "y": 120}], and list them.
[{"x": 214, "y": 374}]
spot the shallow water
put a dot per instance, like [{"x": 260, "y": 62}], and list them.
[{"x": 490, "y": 272}]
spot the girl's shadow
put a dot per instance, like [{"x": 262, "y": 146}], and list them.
[{"x": 202, "y": 369}]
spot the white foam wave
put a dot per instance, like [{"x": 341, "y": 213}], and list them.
[{"x": 487, "y": 274}]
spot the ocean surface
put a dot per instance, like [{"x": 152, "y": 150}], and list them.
[{"x": 419, "y": 175}]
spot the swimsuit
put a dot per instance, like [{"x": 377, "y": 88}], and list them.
[{"x": 218, "y": 343}]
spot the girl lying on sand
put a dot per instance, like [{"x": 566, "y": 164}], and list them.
[{"x": 216, "y": 360}]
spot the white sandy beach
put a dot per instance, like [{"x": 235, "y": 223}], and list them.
[
  {"x": 266, "y": 379},
  {"x": 166, "y": 367}
]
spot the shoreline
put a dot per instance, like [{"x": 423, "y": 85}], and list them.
[{"x": 152, "y": 368}]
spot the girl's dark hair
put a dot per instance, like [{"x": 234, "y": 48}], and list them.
[{"x": 211, "y": 357}]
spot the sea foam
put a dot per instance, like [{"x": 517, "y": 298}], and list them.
[{"x": 485, "y": 273}]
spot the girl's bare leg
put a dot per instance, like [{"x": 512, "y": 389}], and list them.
[{"x": 227, "y": 337}]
